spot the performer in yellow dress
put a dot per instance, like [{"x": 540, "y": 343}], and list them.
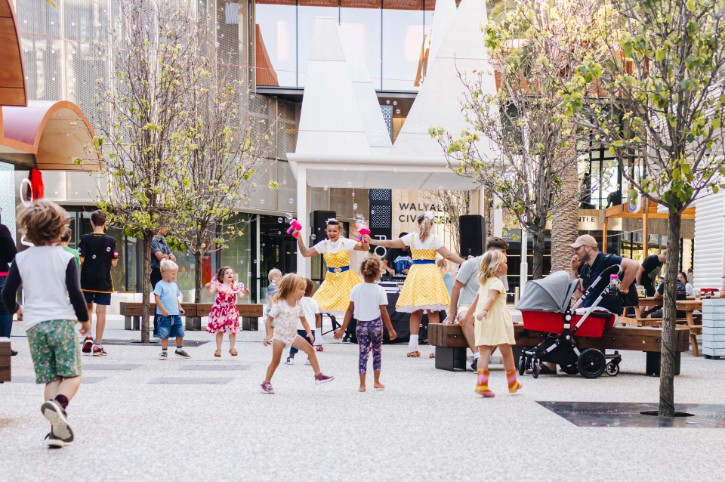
[
  {"x": 333, "y": 295},
  {"x": 424, "y": 288}
]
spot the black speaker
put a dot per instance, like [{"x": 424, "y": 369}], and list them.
[
  {"x": 319, "y": 226},
  {"x": 472, "y": 234}
]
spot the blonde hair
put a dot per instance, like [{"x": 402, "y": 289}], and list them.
[
  {"x": 272, "y": 273},
  {"x": 290, "y": 282},
  {"x": 168, "y": 265},
  {"x": 424, "y": 226},
  {"x": 489, "y": 264},
  {"x": 43, "y": 222}
]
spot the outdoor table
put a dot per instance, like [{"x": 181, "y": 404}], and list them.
[{"x": 694, "y": 323}]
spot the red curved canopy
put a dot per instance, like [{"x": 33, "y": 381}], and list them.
[{"x": 48, "y": 135}]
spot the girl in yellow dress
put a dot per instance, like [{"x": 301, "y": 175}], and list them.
[
  {"x": 424, "y": 288},
  {"x": 494, "y": 327},
  {"x": 333, "y": 295}
]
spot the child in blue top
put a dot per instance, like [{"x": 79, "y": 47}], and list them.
[{"x": 169, "y": 308}]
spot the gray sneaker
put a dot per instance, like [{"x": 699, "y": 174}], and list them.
[
  {"x": 182, "y": 353},
  {"x": 164, "y": 355},
  {"x": 59, "y": 427},
  {"x": 53, "y": 442}
]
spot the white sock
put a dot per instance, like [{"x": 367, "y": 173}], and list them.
[
  {"x": 318, "y": 336},
  {"x": 476, "y": 355},
  {"x": 413, "y": 343}
]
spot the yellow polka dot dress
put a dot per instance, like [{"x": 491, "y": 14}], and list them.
[
  {"x": 333, "y": 296},
  {"x": 424, "y": 288}
]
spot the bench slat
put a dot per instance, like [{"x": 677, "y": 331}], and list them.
[
  {"x": 193, "y": 309},
  {"x": 619, "y": 337}
]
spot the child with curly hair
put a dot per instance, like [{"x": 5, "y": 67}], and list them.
[{"x": 369, "y": 306}]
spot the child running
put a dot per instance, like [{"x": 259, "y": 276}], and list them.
[
  {"x": 494, "y": 327},
  {"x": 53, "y": 300},
  {"x": 369, "y": 306},
  {"x": 285, "y": 312},
  {"x": 312, "y": 312},
  {"x": 169, "y": 308},
  {"x": 224, "y": 315}
]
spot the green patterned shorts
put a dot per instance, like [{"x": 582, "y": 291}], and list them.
[{"x": 55, "y": 350}]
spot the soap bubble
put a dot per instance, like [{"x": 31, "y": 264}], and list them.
[
  {"x": 353, "y": 194},
  {"x": 291, "y": 201},
  {"x": 354, "y": 206},
  {"x": 288, "y": 216},
  {"x": 326, "y": 188},
  {"x": 372, "y": 211},
  {"x": 279, "y": 232},
  {"x": 313, "y": 237},
  {"x": 279, "y": 220}
]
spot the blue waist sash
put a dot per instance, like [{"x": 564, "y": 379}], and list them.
[
  {"x": 423, "y": 261},
  {"x": 338, "y": 270}
]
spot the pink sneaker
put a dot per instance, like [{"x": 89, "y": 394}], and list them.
[
  {"x": 267, "y": 388},
  {"x": 322, "y": 378}
]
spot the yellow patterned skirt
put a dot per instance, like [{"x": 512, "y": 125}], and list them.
[
  {"x": 333, "y": 296},
  {"x": 424, "y": 289}
]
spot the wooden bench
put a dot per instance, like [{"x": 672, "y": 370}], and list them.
[
  {"x": 451, "y": 345},
  {"x": 5, "y": 360},
  {"x": 192, "y": 314}
]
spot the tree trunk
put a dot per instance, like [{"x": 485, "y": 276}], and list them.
[
  {"x": 538, "y": 241},
  {"x": 667, "y": 367},
  {"x": 565, "y": 225},
  {"x": 146, "y": 287},
  {"x": 198, "y": 255}
]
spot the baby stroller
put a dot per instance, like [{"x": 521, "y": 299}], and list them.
[{"x": 545, "y": 307}]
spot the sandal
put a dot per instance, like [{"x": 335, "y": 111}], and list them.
[
  {"x": 413, "y": 354},
  {"x": 431, "y": 355},
  {"x": 218, "y": 353},
  {"x": 233, "y": 352}
]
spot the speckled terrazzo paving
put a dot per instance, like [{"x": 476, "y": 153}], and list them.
[{"x": 206, "y": 419}]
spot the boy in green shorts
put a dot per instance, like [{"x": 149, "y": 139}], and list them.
[{"x": 53, "y": 300}]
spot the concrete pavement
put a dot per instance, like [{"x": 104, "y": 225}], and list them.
[{"x": 139, "y": 418}]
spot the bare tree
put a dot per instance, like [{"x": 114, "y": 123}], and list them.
[
  {"x": 665, "y": 75},
  {"x": 454, "y": 205},
  {"x": 532, "y": 50},
  {"x": 143, "y": 119},
  {"x": 225, "y": 147}
]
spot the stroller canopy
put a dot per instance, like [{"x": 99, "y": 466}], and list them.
[{"x": 552, "y": 293}]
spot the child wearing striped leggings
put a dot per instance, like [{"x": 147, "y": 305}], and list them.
[{"x": 368, "y": 304}]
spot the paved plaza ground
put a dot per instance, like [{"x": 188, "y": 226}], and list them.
[{"x": 139, "y": 418}]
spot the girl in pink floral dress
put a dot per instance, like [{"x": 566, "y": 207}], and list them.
[{"x": 224, "y": 316}]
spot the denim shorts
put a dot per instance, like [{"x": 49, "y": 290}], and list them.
[
  {"x": 170, "y": 327},
  {"x": 97, "y": 298}
]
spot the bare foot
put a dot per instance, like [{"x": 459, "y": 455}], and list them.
[
  {"x": 379, "y": 386},
  {"x": 361, "y": 389}
]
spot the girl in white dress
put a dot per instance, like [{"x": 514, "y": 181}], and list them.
[{"x": 281, "y": 328}]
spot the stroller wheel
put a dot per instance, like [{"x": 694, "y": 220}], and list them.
[
  {"x": 523, "y": 361},
  {"x": 535, "y": 367},
  {"x": 570, "y": 369},
  {"x": 612, "y": 369},
  {"x": 591, "y": 363}
]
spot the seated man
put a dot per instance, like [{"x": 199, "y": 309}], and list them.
[
  {"x": 398, "y": 261},
  {"x": 657, "y": 311}
]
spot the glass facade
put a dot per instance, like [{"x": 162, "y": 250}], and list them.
[{"x": 392, "y": 34}]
